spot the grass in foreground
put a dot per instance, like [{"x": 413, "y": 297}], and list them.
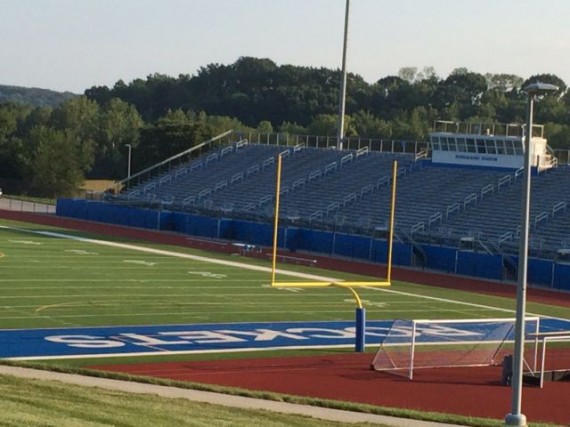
[
  {"x": 27, "y": 403},
  {"x": 324, "y": 403}
]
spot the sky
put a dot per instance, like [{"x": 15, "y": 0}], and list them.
[{"x": 72, "y": 45}]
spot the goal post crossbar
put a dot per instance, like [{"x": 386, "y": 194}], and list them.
[
  {"x": 320, "y": 284},
  {"x": 345, "y": 284}
]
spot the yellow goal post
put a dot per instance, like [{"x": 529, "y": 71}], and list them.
[{"x": 342, "y": 284}]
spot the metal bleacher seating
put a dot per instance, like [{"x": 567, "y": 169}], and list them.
[
  {"x": 195, "y": 181},
  {"x": 496, "y": 218},
  {"x": 339, "y": 184},
  {"x": 423, "y": 197},
  {"x": 351, "y": 190},
  {"x": 255, "y": 193}
]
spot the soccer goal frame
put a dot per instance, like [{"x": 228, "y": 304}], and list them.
[
  {"x": 552, "y": 364},
  {"x": 415, "y": 344}
]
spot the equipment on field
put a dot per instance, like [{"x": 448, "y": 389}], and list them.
[
  {"x": 554, "y": 363},
  {"x": 360, "y": 318},
  {"x": 416, "y": 344}
]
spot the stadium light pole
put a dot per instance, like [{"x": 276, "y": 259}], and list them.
[
  {"x": 130, "y": 147},
  {"x": 342, "y": 101},
  {"x": 515, "y": 417}
]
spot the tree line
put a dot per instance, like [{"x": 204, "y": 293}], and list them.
[{"x": 50, "y": 150}]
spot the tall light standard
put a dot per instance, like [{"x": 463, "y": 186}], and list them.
[
  {"x": 129, "y": 161},
  {"x": 342, "y": 101},
  {"x": 515, "y": 417}
]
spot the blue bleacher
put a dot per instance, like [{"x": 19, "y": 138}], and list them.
[{"x": 343, "y": 188}]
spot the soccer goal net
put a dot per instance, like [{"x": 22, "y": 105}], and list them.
[{"x": 416, "y": 344}]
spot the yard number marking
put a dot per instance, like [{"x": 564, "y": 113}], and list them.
[
  {"x": 25, "y": 242},
  {"x": 369, "y": 303},
  {"x": 81, "y": 252},
  {"x": 139, "y": 262},
  {"x": 208, "y": 274}
]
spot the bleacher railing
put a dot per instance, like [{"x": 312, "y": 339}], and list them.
[
  {"x": 156, "y": 168},
  {"x": 350, "y": 143}
]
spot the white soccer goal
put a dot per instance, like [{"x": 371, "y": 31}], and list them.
[
  {"x": 556, "y": 363},
  {"x": 415, "y": 344}
]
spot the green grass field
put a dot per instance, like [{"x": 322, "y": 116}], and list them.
[
  {"x": 52, "y": 281},
  {"x": 24, "y": 405}
]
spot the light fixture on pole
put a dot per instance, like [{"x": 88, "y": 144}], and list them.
[
  {"x": 515, "y": 417},
  {"x": 129, "y": 161}
]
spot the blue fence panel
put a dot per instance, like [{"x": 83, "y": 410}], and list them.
[
  {"x": 561, "y": 277},
  {"x": 401, "y": 254},
  {"x": 292, "y": 237},
  {"x": 351, "y": 246},
  {"x": 440, "y": 258},
  {"x": 539, "y": 271},
  {"x": 180, "y": 222},
  {"x": 480, "y": 265},
  {"x": 67, "y": 208},
  {"x": 254, "y": 233},
  {"x": 379, "y": 251},
  {"x": 203, "y": 226},
  {"x": 315, "y": 241}
]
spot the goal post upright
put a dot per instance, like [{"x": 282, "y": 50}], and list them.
[
  {"x": 392, "y": 222},
  {"x": 276, "y": 219},
  {"x": 389, "y": 241},
  {"x": 360, "y": 316}
]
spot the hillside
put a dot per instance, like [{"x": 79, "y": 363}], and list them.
[{"x": 33, "y": 96}]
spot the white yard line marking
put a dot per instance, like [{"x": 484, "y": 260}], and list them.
[
  {"x": 45, "y": 307},
  {"x": 150, "y": 353}
]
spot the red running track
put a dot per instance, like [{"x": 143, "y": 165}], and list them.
[{"x": 475, "y": 392}]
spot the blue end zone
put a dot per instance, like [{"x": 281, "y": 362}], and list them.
[{"x": 153, "y": 340}]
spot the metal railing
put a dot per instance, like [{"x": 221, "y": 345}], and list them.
[
  {"x": 18, "y": 205},
  {"x": 350, "y": 143},
  {"x": 180, "y": 157}
]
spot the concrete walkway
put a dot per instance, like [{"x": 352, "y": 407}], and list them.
[{"x": 216, "y": 398}]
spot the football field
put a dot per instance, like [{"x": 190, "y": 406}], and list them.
[{"x": 63, "y": 281}]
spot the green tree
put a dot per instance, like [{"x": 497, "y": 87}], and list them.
[
  {"x": 368, "y": 125},
  {"x": 463, "y": 88},
  {"x": 324, "y": 125},
  {"x": 265, "y": 126},
  {"x": 58, "y": 162},
  {"x": 292, "y": 128},
  {"x": 13, "y": 157},
  {"x": 119, "y": 125},
  {"x": 80, "y": 116}
]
